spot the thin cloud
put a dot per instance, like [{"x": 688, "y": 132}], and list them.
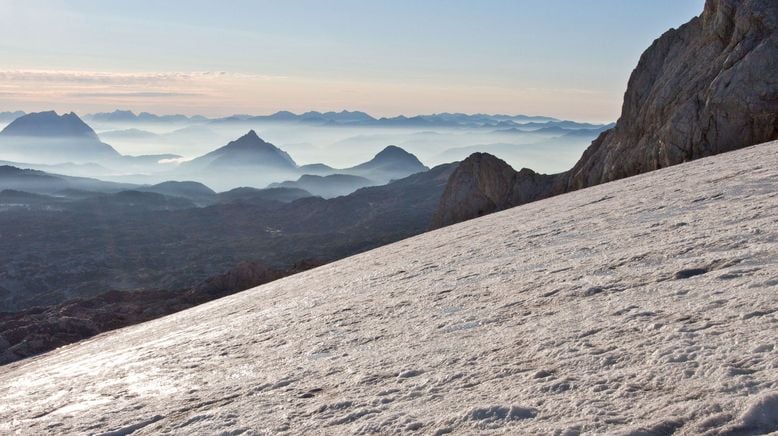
[
  {"x": 143, "y": 94},
  {"x": 112, "y": 78}
]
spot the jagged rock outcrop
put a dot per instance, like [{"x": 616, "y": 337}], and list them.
[
  {"x": 483, "y": 184},
  {"x": 705, "y": 88}
]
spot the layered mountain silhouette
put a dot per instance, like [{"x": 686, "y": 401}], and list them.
[
  {"x": 699, "y": 90},
  {"x": 254, "y": 195},
  {"x": 46, "y": 137},
  {"x": 160, "y": 239},
  {"x": 194, "y": 191},
  {"x": 389, "y": 164},
  {"x": 126, "y": 116},
  {"x": 246, "y": 161},
  {"x": 341, "y": 118},
  {"x": 252, "y": 161},
  {"x": 40, "y": 182}
]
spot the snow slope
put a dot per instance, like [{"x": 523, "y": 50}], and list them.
[{"x": 643, "y": 306}]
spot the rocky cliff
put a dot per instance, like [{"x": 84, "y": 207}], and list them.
[
  {"x": 705, "y": 88},
  {"x": 483, "y": 184}
]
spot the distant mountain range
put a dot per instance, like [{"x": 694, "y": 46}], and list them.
[
  {"x": 126, "y": 116},
  {"x": 332, "y": 118},
  {"x": 48, "y": 138},
  {"x": 249, "y": 160},
  {"x": 356, "y": 118},
  {"x": 65, "y": 143}
]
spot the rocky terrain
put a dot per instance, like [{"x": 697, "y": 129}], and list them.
[
  {"x": 55, "y": 251},
  {"x": 642, "y": 306},
  {"x": 483, "y": 184},
  {"x": 705, "y": 88},
  {"x": 34, "y": 331}
]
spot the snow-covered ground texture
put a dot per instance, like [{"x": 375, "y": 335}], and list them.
[{"x": 646, "y": 306}]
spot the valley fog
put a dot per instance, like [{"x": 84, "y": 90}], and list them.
[{"x": 342, "y": 146}]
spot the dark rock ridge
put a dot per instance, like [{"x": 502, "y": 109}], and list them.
[
  {"x": 37, "y": 330},
  {"x": 483, "y": 184},
  {"x": 705, "y": 88}
]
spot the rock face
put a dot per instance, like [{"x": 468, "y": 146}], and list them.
[
  {"x": 631, "y": 308},
  {"x": 705, "y": 88},
  {"x": 483, "y": 184}
]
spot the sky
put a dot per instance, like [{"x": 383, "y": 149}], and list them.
[{"x": 564, "y": 58}]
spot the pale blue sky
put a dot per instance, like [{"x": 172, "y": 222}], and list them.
[{"x": 568, "y": 58}]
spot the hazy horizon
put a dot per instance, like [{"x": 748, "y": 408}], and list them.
[{"x": 560, "y": 58}]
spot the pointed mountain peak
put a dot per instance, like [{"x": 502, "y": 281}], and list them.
[
  {"x": 248, "y": 141},
  {"x": 250, "y": 149}
]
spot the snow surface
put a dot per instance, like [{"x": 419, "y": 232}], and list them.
[{"x": 643, "y": 306}]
